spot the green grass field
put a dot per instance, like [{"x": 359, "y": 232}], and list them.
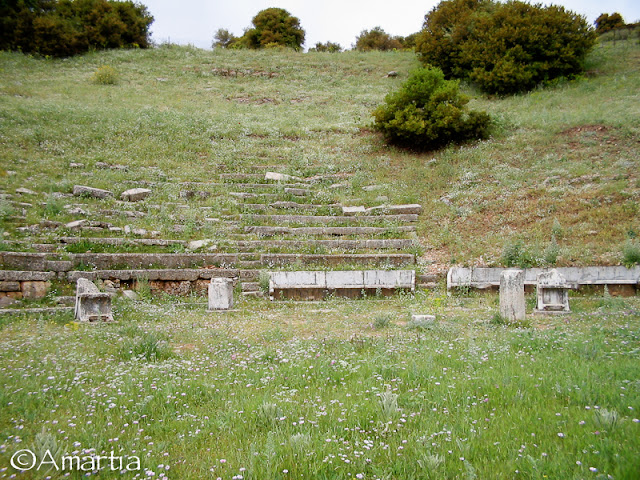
[{"x": 336, "y": 389}]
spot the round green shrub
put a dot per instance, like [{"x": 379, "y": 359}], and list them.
[
  {"x": 504, "y": 48},
  {"x": 429, "y": 112}
]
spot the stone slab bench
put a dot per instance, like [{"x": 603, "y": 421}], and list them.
[
  {"x": 92, "y": 305},
  {"x": 396, "y": 260},
  {"x": 487, "y": 278},
  {"x": 329, "y": 231},
  {"x": 328, "y": 219},
  {"x": 318, "y": 285}
]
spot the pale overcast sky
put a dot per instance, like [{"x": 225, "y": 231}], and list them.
[{"x": 196, "y": 21}]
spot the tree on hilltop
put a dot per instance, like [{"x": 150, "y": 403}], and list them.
[
  {"x": 224, "y": 38},
  {"x": 606, "y": 22},
  {"x": 62, "y": 28},
  {"x": 504, "y": 48},
  {"x": 376, "y": 39},
  {"x": 274, "y": 27}
]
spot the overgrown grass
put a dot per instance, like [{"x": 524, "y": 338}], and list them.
[
  {"x": 286, "y": 390},
  {"x": 566, "y": 155}
]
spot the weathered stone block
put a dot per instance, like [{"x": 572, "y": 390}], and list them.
[
  {"x": 281, "y": 177},
  {"x": 76, "y": 224},
  {"x": 298, "y": 192},
  {"x": 220, "y": 294},
  {"x": 91, "y": 304},
  {"x": 81, "y": 190},
  {"x": 135, "y": 194},
  {"x": 34, "y": 289},
  {"x": 405, "y": 279},
  {"x": 9, "y": 286},
  {"x": 6, "y": 301},
  {"x": 512, "y": 304},
  {"x": 350, "y": 211},
  {"x": 345, "y": 279}
]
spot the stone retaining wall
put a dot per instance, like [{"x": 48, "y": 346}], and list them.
[
  {"x": 619, "y": 280},
  {"x": 318, "y": 285}
]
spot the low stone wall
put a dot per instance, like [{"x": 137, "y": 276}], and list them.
[
  {"x": 17, "y": 284},
  {"x": 318, "y": 285},
  {"x": 171, "y": 281},
  {"x": 619, "y": 280}
]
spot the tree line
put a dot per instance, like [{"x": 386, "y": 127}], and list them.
[{"x": 62, "y": 28}]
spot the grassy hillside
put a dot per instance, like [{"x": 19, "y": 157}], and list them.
[
  {"x": 343, "y": 389},
  {"x": 559, "y": 176}
]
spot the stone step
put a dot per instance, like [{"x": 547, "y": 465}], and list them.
[
  {"x": 241, "y": 176},
  {"x": 165, "y": 275},
  {"x": 427, "y": 278},
  {"x": 245, "y": 257},
  {"x": 328, "y": 219},
  {"x": 427, "y": 286},
  {"x": 371, "y": 244},
  {"x": 103, "y": 261},
  {"x": 149, "y": 242},
  {"x": 215, "y": 186},
  {"x": 254, "y": 195},
  {"x": 384, "y": 209},
  {"x": 240, "y": 245},
  {"x": 282, "y": 259},
  {"x": 287, "y": 205},
  {"x": 250, "y": 264},
  {"x": 250, "y": 286},
  {"x": 325, "y": 231}
]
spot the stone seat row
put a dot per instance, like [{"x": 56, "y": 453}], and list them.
[{"x": 103, "y": 261}]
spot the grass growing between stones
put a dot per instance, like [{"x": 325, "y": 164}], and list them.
[
  {"x": 291, "y": 390},
  {"x": 565, "y": 156}
]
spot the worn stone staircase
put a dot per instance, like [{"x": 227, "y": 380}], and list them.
[{"x": 238, "y": 226}]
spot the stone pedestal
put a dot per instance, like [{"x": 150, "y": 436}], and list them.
[
  {"x": 92, "y": 305},
  {"x": 553, "y": 293},
  {"x": 221, "y": 294},
  {"x": 512, "y": 304}
]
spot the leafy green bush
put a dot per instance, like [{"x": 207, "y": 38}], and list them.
[
  {"x": 516, "y": 255},
  {"x": 429, "y": 112},
  {"x": 105, "y": 75},
  {"x": 504, "y": 48},
  {"x": 147, "y": 346},
  {"x": 62, "y": 28},
  {"x": 631, "y": 254},
  {"x": 326, "y": 47},
  {"x": 376, "y": 39},
  {"x": 382, "y": 320}
]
